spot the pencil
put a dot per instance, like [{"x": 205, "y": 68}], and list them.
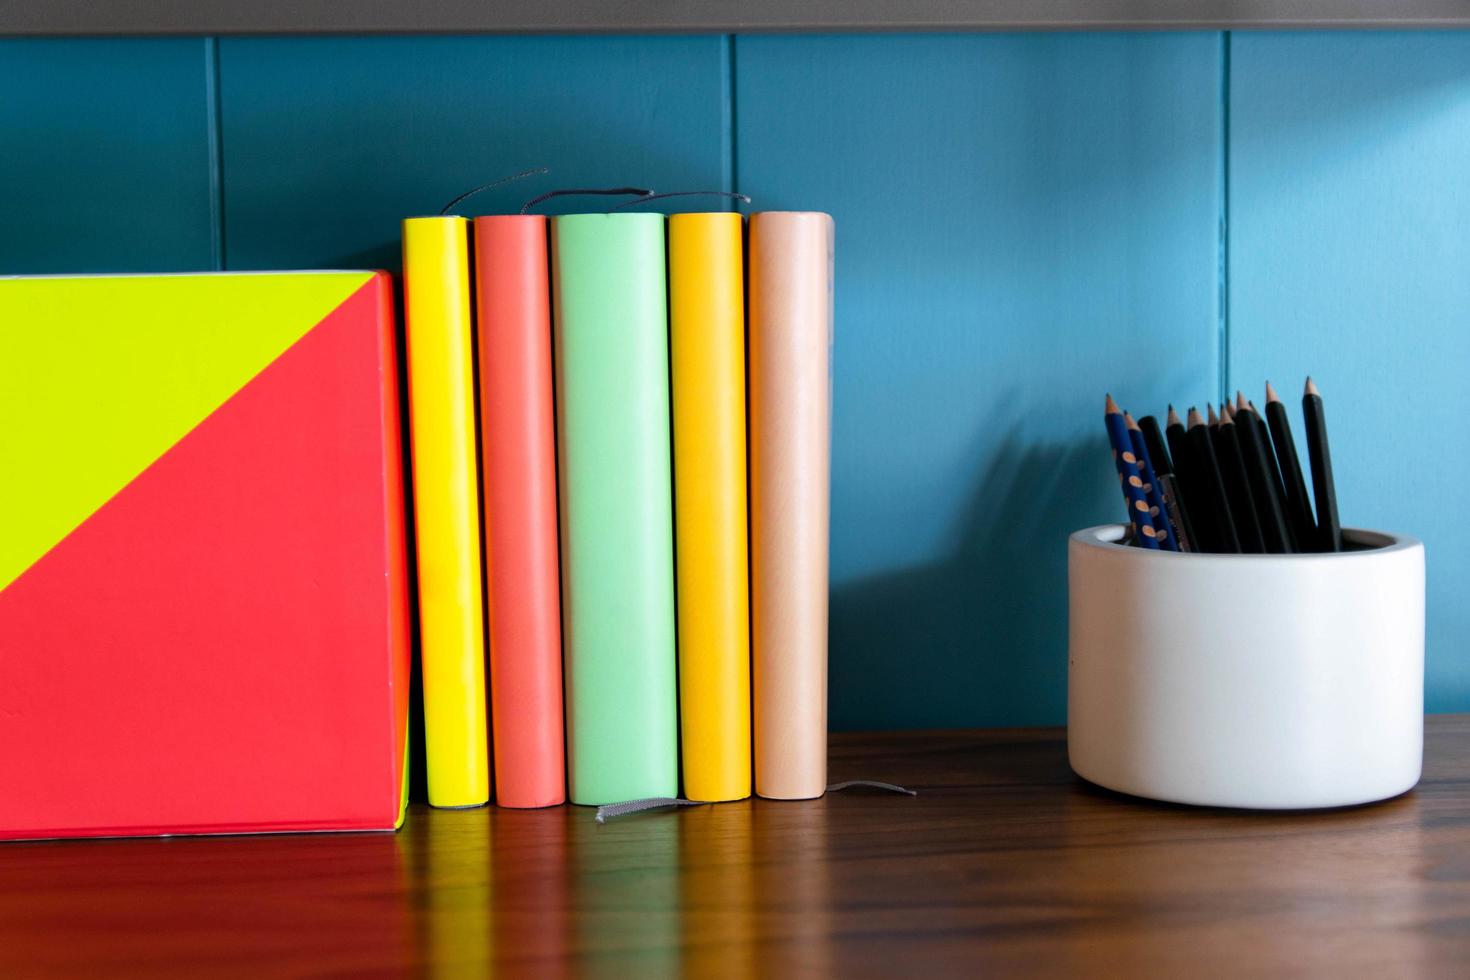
[
  {"x": 1258, "y": 475},
  {"x": 1170, "y": 486},
  {"x": 1152, "y": 489},
  {"x": 1187, "y": 474},
  {"x": 1237, "y": 485},
  {"x": 1153, "y": 440},
  {"x": 1211, "y": 484},
  {"x": 1131, "y": 477},
  {"x": 1178, "y": 446},
  {"x": 1298, "y": 505},
  {"x": 1329, "y": 531},
  {"x": 1273, "y": 470}
]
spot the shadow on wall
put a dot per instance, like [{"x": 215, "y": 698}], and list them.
[{"x": 981, "y": 633}]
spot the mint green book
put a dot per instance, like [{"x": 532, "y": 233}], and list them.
[{"x": 617, "y": 547}]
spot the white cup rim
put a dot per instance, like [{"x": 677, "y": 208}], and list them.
[{"x": 1371, "y": 543}]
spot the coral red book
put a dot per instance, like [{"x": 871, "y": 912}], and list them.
[{"x": 203, "y": 585}]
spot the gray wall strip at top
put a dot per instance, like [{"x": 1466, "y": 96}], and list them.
[{"x": 173, "y": 17}]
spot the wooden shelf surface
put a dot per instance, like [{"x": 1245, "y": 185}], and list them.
[
  {"x": 1005, "y": 862},
  {"x": 161, "y": 17}
]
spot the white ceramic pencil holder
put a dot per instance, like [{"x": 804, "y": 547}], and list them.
[{"x": 1258, "y": 681}]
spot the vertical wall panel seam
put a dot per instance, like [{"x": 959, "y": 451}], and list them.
[
  {"x": 733, "y": 159},
  {"x": 1224, "y": 219},
  {"x": 212, "y": 102}
]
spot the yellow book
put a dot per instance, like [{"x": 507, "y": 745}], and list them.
[
  {"x": 707, "y": 349},
  {"x": 436, "y": 273}
]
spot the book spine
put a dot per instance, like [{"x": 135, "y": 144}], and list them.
[
  {"x": 790, "y": 451},
  {"x": 441, "y": 398},
  {"x": 707, "y": 344},
  {"x": 396, "y": 583},
  {"x": 518, "y": 441},
  {"x": 612, "y": 382}
]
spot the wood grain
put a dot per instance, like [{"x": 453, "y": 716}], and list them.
[{"x": 1005, "y": 862}]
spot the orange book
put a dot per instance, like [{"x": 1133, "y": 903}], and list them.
[
  {"x": 707, "y": 355},
  {"x": 518, "y": 453}
]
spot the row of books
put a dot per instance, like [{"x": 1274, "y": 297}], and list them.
[{"x": 651, "y": 478}]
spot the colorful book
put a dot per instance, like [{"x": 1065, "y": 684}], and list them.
[
  {"x": 203, "y": 584},
  {"x": 518, "y": 453},
  {"x": 612, "y": 371},
  {"x": 707, "y": 347},
  {"x": 790, "y": 451},
  {"x": 446, "y": 501}
]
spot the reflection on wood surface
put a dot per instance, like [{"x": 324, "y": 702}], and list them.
[{"x": 1004, "y": 862}]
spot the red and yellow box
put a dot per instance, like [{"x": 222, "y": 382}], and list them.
[{"x": 203, "y": 584}]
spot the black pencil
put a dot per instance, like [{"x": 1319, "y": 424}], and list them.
[
  {"x": 1329, "y": 531},
  {"x": 1153, "y": 438},
  {"x": 1258, "y": 468},
  {"x": 1263, "y": 433},
  {"x": 1298, "y": 505},
  {"x": 1216, "y": 505},
  {"x": 1237, "y": 485},
  {"x": 1186, "y": 475},
  {"x": 1166, "y": 469},
  {"x": 1178, "y": 444}
]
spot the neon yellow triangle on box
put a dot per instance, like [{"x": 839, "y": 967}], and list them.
[{"x": 83, "y": 411}]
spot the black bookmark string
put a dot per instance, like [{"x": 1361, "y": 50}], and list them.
[
  {"x": 642, "y": 193},
  {"x": 613, "y": 810},
  {"x": 493, "y": 183},
  {"x": 742, "y": 198}
]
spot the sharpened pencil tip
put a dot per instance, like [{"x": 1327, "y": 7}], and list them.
[
  {"x": 1173, "y": 418},
  {"x": 1194, "y": 417},
  {"x": 1210, "y": 410},
  {"x": 1128, "y": 421},
  {"x": 1225, "y": 417},
  {"x": 1312, "y": 387},
  {"x": 1271, "y": 395},
  {"x": 1239, "y": 400},
  {"x": 1111, "y": 407}
]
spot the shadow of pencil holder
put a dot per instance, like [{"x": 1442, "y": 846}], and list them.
[{"x": 1253, "y": 681}]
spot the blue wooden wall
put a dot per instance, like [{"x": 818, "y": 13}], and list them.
[{"x": 1023, "y": 223}]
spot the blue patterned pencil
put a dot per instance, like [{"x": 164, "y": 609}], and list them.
[
  {"x": 1153, "y": 490},
  {"x": 1131, "y": 476}
]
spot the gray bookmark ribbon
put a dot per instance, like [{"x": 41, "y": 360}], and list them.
[{"x": 613, "y": 810}]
